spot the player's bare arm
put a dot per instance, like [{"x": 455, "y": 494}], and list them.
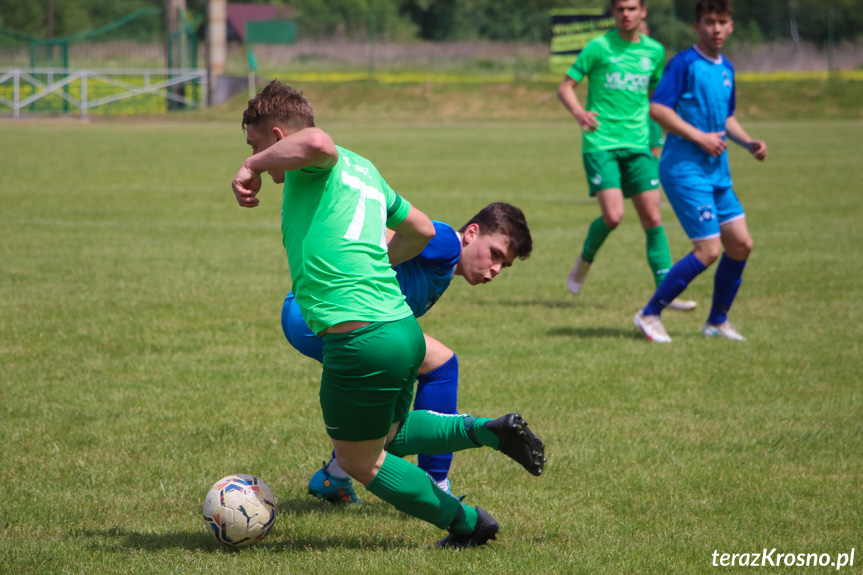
[
  {"x": 410, "y": 237},
  {"x": 711, "y": 142},
  {"x": 310, "y": 147},
  {"x": 566, "y": 93},
  {"x": 246, "y": 185},
  {"x": 277, "y": 152},
  {"x": 738, "y": 135}
]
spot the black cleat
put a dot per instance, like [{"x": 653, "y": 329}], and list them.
[
  {"x": 486, "y": 529},
  {"x": 519, "y": 442}
]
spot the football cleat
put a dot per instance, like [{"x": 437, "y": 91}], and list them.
[
  {"x": 577, "y": 275},
  {"x": 486, "y": 529},
  {"x": 651, "y": 326},
  {"x": 337, "y": 490},
  {"x": 517, "y": 441},
  {"x": 678, "y": 304},
  {"x": 725, "y": 329}
]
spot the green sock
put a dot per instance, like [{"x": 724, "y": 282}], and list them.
[
  {"x": 596, "y": 234},
  {"x": 434, "y": 433},
  {"x": 411, "y": 490},
  {"x": 465, "y": 520},
  {"x": 658, "y": 254},
  {"x": 480, "y": 433}
]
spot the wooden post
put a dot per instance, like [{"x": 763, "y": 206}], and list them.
[
  {"x": 173, "y": 48},
  {"x": 217, "y": 40}
]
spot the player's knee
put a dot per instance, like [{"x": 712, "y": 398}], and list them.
[
  {"x": 436, "y": 355},
  {"x": 746, "y": 248},
  {"x": 707, "y": 255},
  {"x": 651, "y": 221},
  {"x": 360, "y": 468},
  {"x": 739, "y": 248},
  {"x": 612, "y": 219}
]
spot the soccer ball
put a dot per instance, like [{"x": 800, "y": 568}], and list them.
[{"x": 240, "y": 510}]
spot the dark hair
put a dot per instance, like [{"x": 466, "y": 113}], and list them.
[
  {"x": 614, "y": 3},
  {"x": 281, "y": 104},
  {"x": 506, "y": 220},
  {"x": 712, "y": 7}
]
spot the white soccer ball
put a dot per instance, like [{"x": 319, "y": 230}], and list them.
[{"x": 239, "y": 510}]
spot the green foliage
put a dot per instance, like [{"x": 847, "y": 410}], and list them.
[
  {"x": 70, "y": 18},
  {"x": 23, "y": 17},
  {"x": 773, "y": 18},
  {"x": 448, "y": 20},
  {"x": 352, "y": 19}
]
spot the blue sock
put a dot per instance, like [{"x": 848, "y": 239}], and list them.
[
  {"x": 677, "y": 280},
  {"x": 726, "y": 282},
  {"x": 438, "y": 391}
]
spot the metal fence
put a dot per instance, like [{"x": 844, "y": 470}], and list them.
[{"x": 128, "y": 66}]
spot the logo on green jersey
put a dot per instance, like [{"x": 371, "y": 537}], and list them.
[{"x": 628, "y": 81}]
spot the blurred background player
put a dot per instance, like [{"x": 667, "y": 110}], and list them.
[
  {"x": 621, "y": 66},
  {"x": 478, "y": 252},
  {"x": 655, "y": 136},
  {"x": 695, "y": 103},
  {"x": 336, "y": 208}
]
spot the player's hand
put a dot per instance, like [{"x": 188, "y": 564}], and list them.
[
  {"x": 712, "y": 143},
  {"x": 587, "y": 121},
  {"x": 246, "y": 185},
  {"x": 758, "y": 149}
]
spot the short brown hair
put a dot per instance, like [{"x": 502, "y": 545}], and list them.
[
  {"x": 506, "y": 220},
  {"x": 703, "y": 7},
  {"x": 614, "y": 3},
  {"x": 280, "y": 104}
]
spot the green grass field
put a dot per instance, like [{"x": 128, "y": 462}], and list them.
[{"x": 141, "y": 359}]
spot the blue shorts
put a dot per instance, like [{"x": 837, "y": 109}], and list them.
[
  {"x": 702, "y": 208},
  {"x": 298, "y": 333}
]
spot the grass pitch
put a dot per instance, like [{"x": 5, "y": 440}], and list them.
[{"x": 141, "y": 359}]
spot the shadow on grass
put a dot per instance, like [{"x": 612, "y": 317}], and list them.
[
  {"x": 552, "y": 304},
  {"x": 281, "y": 540},
  {"x": 595, "y": 332},
  {"x": 297, "y": 507}
]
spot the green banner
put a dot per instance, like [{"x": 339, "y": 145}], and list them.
[
  {"x": 571, "y": 30},
  {"x": 271, "y": 32}
]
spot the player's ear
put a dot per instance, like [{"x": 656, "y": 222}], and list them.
[
  {"x": 470, "y": 233},
  {"x": 278, "y": 133}
]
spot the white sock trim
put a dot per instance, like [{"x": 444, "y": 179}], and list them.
[{"x": 335, "y": 469}]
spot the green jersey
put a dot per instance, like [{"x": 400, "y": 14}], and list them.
[
  {"x": 333, "y": 226},
  {"x": 656, "y": 139},
  {"x": 619, "y": 75}
]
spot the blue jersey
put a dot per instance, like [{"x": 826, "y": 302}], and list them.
[
  {"x": 422, "y": 279},
  {"x": 701, "y": 91}
]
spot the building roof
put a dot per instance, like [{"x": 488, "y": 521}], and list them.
[{"x": 240, "y": 13}]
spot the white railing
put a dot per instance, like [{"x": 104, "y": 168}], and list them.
[{"x": 119, "y": 79}]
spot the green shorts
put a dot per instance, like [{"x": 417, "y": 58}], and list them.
[
  {"x": 633, "y": 170},
  {"x": 368, "y": 378}
]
